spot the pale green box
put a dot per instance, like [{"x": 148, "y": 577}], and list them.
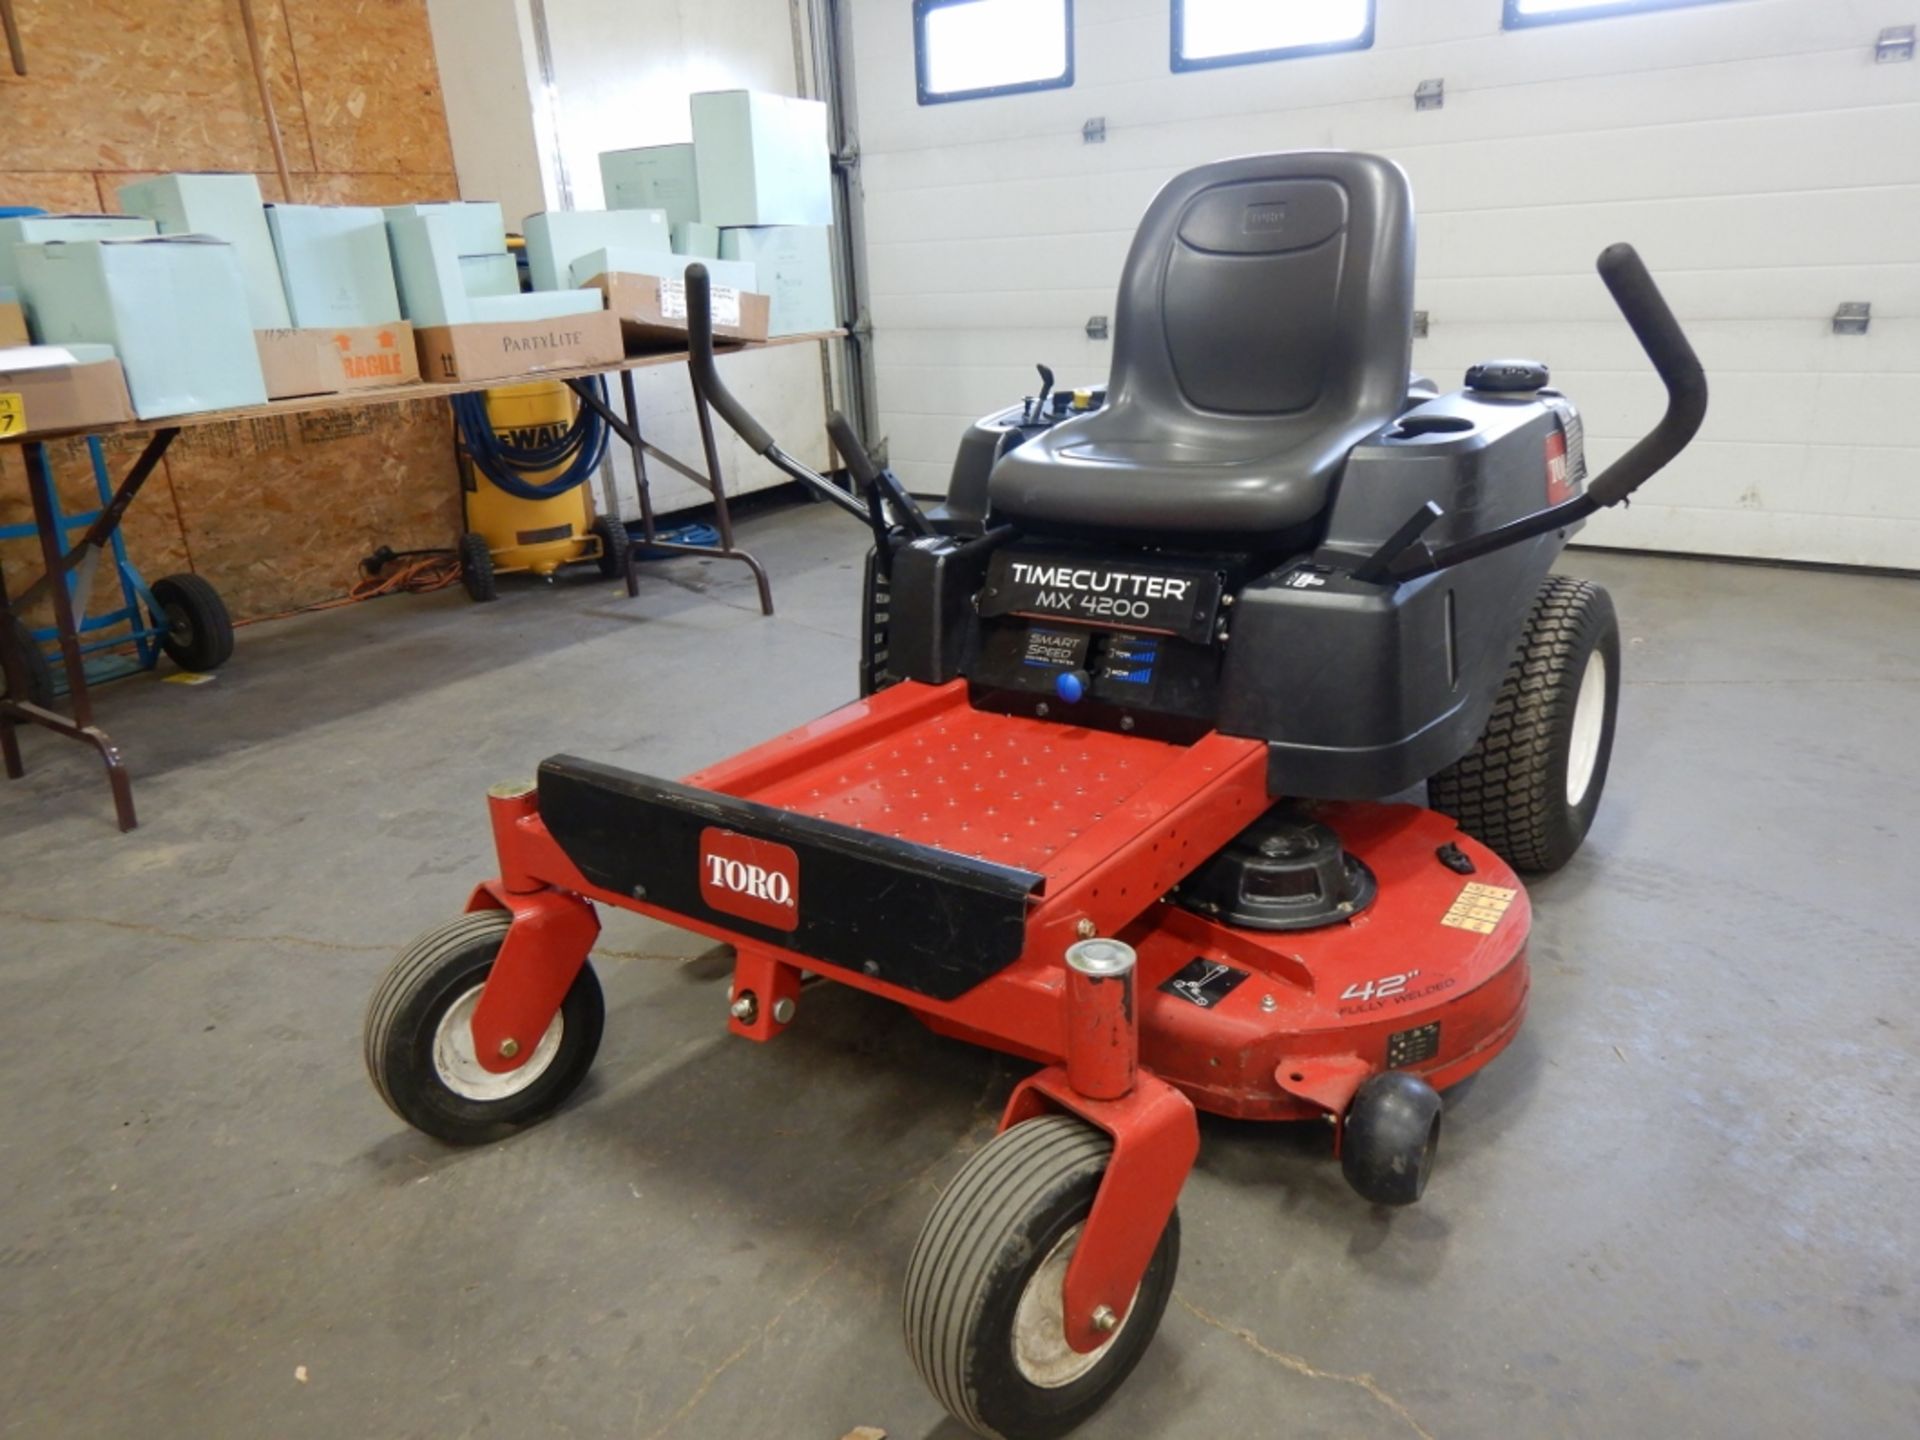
[
  {"x": 426, "y": 267},
  {"x": 490, "y": 274},
  {"x": 794, "y": 264},
  {"x": 536, "y": 305},
  {"x": 437, "y": 284},
  {"x": 477, "y": 225},
  {"x": 761, "y": 159},
  {"x": 621, "y": 260},
  {"x": 653, "y": 177},
  {"x": 697, "y": 240},
  {"x": 34, "y": 229},
  {"x": 227, "y": 207},
  {"x": 335, "y": 265},
  {"x": 556, "y": 238},
  {"x": 173, "y": 307}
]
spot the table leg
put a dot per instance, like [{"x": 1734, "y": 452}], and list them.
[
  {"x": 80, "y": 727},
  {"x": 13, "y": 669}
]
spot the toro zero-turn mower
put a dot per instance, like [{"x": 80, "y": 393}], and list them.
[{"x": 1114, "y": 800}]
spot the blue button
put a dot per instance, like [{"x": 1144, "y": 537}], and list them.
[{"x": 1070, "y": 686}]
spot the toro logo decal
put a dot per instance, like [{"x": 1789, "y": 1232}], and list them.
[
  {"x": 757, "y": 880},
  {"x": 1560, "y": 484}
]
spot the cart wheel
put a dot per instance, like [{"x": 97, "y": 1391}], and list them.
[
  {"x": 39, "y": 687},
  {"x": 476, "y": 568},
  {"x": 1391, "y": 1134},
  {"x": 1530, "y": 787},
  {"x": 983, "y": 1309},
  {"x": 199, "y": 634},
  {"x": 419, "y": 1043},
  {"x": 614, "y": 543}
]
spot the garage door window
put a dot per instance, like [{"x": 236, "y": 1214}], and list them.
[
  {"x": 970, "y": 49},
  {"x": 1550, "y": 12},
  {"x": 1207, "y": 33}
]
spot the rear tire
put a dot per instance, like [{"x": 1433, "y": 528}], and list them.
[
  {"x": 614, "y": 544},
  {"x": 33, "y": 660},
  {"x": 1531, "y": 785},
  {"x": 199, "y": 634},
  {"x": 982, "y": 1305},
  {"x": 476, "y": 569},
  {"x": 420, "y": 1055}
]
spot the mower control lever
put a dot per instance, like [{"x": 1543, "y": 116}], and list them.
[
  {"x": 885, "y": 494},
  {"x": 713, "y": 390},
  {"x": 1666, "y": 344}
]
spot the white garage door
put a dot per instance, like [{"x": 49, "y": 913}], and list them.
[{"x": 1765, "y": 164}]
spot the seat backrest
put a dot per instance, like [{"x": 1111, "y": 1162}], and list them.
[{"x": 1270, "y": 288}]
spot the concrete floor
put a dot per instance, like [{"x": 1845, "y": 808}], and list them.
[{"x": 1681, "y": 1205}]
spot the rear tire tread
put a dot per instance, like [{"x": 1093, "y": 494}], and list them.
[{"x": 1502, "y": 792}]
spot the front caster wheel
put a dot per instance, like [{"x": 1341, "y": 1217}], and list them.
[
  {"x": 984, "y": 1309},
  {"x": 419, "y": 1039},
  {"x": 1392, "y": 1131}
]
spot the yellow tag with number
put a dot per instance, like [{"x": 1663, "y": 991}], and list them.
[{"x": 13, "y": 413}]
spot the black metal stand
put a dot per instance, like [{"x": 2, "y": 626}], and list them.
[
  {"x": 15, "y": 710},
  {"x": 628, "y": 429}
]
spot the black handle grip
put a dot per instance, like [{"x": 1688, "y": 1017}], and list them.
[
  {"x": 1660, "y": 335},
  {"x": 859, "y": 463},
  {"x": 706, "y": 374}
]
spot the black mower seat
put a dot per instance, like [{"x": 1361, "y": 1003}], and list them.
[{"x": 1264, "y": 328}]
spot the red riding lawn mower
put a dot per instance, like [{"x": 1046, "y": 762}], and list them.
[{"x": 1113, "y": 801}]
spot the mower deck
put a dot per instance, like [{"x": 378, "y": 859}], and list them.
[{"x": 945, "y": 858}]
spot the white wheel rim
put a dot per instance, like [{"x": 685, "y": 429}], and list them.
[
  {"x": 1040, "y": 1349},
  {"x": 458, "y": 1065},
  {"x": 1589, "y": 723}
]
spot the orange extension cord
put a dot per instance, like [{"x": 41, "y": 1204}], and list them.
[{"x": 421, "y": 576}]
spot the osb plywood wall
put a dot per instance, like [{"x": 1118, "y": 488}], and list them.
[{"x": 275, "y": 514}]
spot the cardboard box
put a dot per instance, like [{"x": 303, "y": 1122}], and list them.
[
  {"x": 654, "y": 177},
  {"x": 335, "y": 265},
  {"x": 697, "y": 240},
  {"x": 652, "y": 310},
  {"x": 60, "y": 387},
  {"x": 13, "y": 325},
  {"x": 36, "y": 229},
  {"x": 229, "y": 208},
  {"x": 619, "y": 260},
  {"x": 794, "y": 266},
  {"x": 556, "y": 238},
  {"x": 327, "y": 362},
  {"x": 761, "y": 159},
  {"x": 173, "y": 307},
  {"x": 505, "y": 350}
]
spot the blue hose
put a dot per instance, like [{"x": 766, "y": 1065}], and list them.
[{"x": 505, "y": 464}]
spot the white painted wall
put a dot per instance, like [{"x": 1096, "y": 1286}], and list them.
[
  {"x": 622, "y": 71},
  {"x": 1766, "y": 167}
]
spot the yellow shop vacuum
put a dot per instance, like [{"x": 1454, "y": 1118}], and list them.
[{"x": 526, "y": 454}]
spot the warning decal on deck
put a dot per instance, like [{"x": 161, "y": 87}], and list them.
[
  {"x": 1478, "y": 907},
  {"x": 1203, "y": 982}
]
